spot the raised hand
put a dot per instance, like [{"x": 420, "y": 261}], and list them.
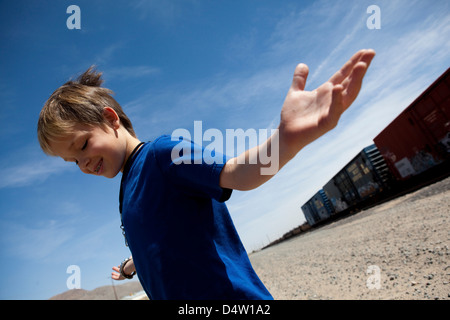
[{"x": 307, "y": 115}]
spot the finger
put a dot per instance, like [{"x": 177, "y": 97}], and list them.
[
  {"x": 300, "y": 75},
  {"x": 366, "y": 59},
  {"x": 361, "y": 56},
  {"x": 354, "y": 83},
  {"x": 340, "y": 76},
  {"x": 116, "y": 276},
  {"x": 368, "y": 56}
]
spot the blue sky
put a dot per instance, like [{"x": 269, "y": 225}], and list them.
[{"x": 228, "y": 64}]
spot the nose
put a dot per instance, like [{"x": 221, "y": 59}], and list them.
[{"x": 83, "y": 164}]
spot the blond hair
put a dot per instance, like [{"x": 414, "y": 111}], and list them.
[{"x": 77, "y": 102}]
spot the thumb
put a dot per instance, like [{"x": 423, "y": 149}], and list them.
[{"x": 300, "y": 75}]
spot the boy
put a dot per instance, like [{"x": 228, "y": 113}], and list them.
[{"x": 180, "y": 234}]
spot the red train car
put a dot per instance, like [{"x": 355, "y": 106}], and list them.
[{"x": 419, "y": 138}]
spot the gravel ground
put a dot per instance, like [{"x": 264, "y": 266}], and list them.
[{"x": 397, "y": 250}]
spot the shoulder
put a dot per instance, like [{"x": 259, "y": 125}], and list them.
[
  {"x": 166, "y": 141},
  {"x": 160, "y": 144},
  {"x": 164, "y": 149}
]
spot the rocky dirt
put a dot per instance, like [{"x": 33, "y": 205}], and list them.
[{"x": 397, "y": 250}]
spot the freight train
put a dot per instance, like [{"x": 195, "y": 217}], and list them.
[{"x": 412, "y": 151}]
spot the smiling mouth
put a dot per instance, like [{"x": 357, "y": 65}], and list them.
[{"x": 99, "y": 166}]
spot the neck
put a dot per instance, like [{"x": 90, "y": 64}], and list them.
[{"x": 131, "y": 145}]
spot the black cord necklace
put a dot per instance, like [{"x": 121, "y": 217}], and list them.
[{"x": 125, "y": 172}]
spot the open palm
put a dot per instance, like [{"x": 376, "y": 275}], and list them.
[{"x": 307, "y": 115}]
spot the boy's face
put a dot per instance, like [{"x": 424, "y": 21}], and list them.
[{"x": 96, "y": 150}]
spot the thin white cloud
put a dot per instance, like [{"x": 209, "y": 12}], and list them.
[
  {"x": 233, "y": 96},
  {"x": 165, "y": 12},
  {"x": 30, "y": 172},
  {"x": 35, "y": 242},
  {"x": 130, "y": 72},
  {"x": 105, "y": 56},
  {"x": 328, "y": 65},
  {"x": 60, "y": 240}
]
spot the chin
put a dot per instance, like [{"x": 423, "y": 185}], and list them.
[{"x": 110, "y": 176}]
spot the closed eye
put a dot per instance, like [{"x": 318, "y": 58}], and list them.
[
  {"x": 82, "y": 149},
  {"x": 84, "y": 145}
]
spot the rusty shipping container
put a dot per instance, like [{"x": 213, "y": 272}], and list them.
[{"x": 419, "y": 138}]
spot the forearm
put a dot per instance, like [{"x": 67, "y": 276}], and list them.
[
  {"x": 129, "y": 267},
  {"x": 257, "y": 165}
]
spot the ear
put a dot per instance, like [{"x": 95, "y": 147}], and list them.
[{"x": 111, "y": 117}]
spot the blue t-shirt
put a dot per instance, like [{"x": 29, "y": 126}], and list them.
[{"x": 180, "y": 233}]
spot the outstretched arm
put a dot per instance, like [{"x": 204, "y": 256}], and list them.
[{"x": 305, "y": 116}]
